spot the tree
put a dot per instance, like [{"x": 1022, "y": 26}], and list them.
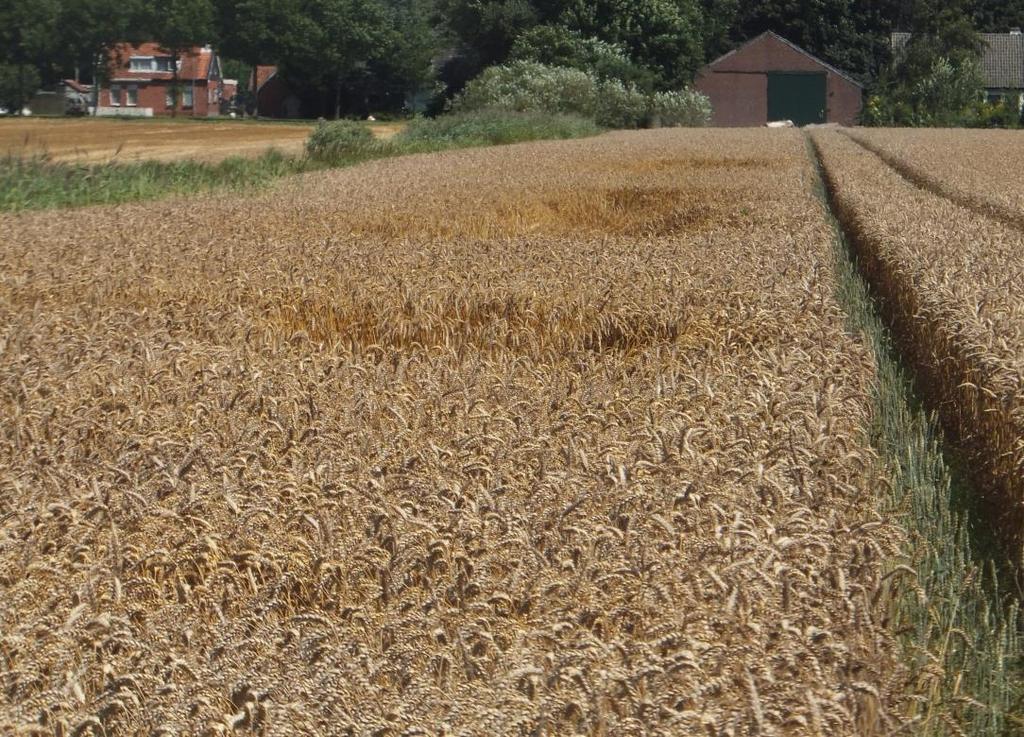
[
  {"x": 662, "y": 36},
  {"x": 332, "y": 42},
  {"x": 934, "y": 78},
  {"x": 177, "y": 26},
  {"x": 28, "y": 40},
  {"x": 556, "y": 45},
  {"x": 251, "y": 31}
]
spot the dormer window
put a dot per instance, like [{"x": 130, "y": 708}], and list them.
[{"x": 151, "y": 64}]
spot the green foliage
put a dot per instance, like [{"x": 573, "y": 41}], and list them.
[
  {"x": 530, "y": 87},
  {"x": 1002, "y": 113},
  {"x": 342, "y": 141},
  {"x": 38, "y": 183},
  {"x": 682, "y": 108},
  {"x": 949, "y": 95},
  {"x": 935, "y": 78},
  {"x": 556, "y": 45},
  {"x": 661, "y": 37},
  {"x": 490, "y": 128},
  {"x": 18, "y": 83}
]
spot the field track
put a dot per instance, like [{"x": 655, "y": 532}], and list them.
[
  {"x": 976, "y": 170},
  {"x": 950, "y": 278},
  {"x": 558, "y": 438},
  {"x": 98, "y": 141}
]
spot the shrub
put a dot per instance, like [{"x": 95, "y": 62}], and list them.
[
  {"x": 524, "y": 86},
  {"x": 342, "y": 140},
  {"x": 620, "y": 106},
  {"x": 683, "y": 108},
  {"x": 490, "y": 127}
]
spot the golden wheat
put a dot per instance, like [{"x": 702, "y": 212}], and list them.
[
  {"x": 950, "y": 277},
  {"x": 560, "y": 438}
]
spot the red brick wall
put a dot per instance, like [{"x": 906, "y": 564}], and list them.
[
  {"x": 154, "y": 95},
  {"x": 738, "y": 84}
]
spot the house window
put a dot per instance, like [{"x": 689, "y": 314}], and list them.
[
  {"x": 151, "y": 64},
  {"x": 115, "y": 95},
  {"x": 186, "y": 97},
  {"x": 169, "y": 98},
  {"x": 132, "y": 96}
]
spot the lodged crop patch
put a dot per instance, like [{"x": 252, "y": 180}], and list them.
[{"x": 424, "y": 447}]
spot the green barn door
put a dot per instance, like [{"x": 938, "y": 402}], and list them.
[{"x": 796, "y": 96}]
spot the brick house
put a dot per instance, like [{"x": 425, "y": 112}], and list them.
[
  {"x": 770, "y": 78},
  {"x": 142, "y": 82}
]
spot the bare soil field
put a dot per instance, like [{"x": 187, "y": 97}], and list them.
[
  {"x": 552, "y": 439},
  {"x": 95, "y": 141}
]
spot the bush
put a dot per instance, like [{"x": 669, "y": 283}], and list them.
[
  {"x": 342, "y": 140},
  {"x": 524, "y": 86},
  {"x": 620, "y": 106},
  {"x": 490, "y": 128},
  {"x": 685, "y": 108}
]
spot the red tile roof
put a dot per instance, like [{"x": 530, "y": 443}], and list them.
[
  {"x": 264, "y": 73},
  {"x": 195, "y": 62}
]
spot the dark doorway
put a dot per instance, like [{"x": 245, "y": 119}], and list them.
[{"x": 797, "y": 96}]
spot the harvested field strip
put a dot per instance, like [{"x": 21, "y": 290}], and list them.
[
  {"x": 942, "y": 273},
  {"x": 943, "y": 186},
  {"x": 263, "y": 470},
  {"x": 960, "y": 630}
]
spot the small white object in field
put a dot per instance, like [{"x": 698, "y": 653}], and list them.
[
  {"x": 780, "y": 124},
  {"x": 233, "y": 116},
  {"x": 371, "y": 118}
]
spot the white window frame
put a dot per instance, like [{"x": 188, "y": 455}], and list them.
[
  {"x": 142, "y": 64},
  {"x": 131, "y": 97},
  {"x": 170, "y": 101},
  {"x": 115, "y": 95}
]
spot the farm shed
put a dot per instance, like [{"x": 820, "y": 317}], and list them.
[{"x": 770, "y": 78}]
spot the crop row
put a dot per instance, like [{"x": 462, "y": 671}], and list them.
[{"x": 949, "y": 278}]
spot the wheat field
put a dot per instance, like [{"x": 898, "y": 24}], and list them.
[
  {"x": 550, "y": 439},
  {"x": 951, "y": 278},
  {"x": 100, "y": 140}
]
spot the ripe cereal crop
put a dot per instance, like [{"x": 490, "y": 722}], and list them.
[
  {"x": 949, "y": 277},
  {"x": 550, "y": 439}
]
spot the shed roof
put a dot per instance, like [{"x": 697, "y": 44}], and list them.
[
  {"x": 777, "y": 37},
  {"x": 1002, "y": 63}
]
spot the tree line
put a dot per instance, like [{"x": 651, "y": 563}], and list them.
[{"x": 357, "y": 56}]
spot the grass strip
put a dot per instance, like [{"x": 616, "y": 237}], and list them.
[
  {"x": 959, "y": 626},
  {"x": 39, "y": 183}
]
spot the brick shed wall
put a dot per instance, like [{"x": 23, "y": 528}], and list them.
[{"x": 737, "y": 83}]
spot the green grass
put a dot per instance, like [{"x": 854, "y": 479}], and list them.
[
  {"x": 38, "y": 183},
  {"x": 959, "y": 626}
]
